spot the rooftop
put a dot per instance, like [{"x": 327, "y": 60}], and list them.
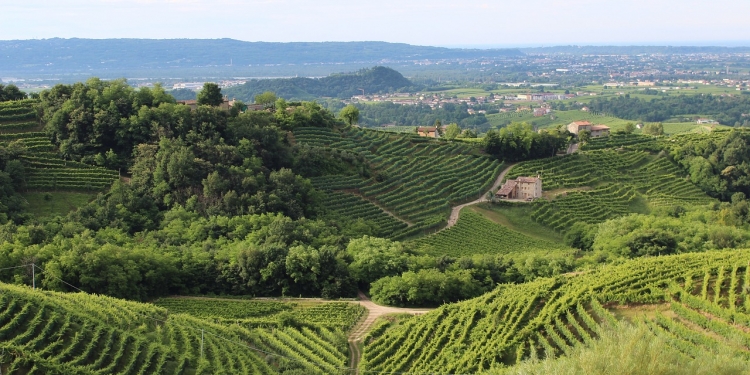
[
  {"x": 507, "y": 188},
  {"x": 527, "y": 180}
]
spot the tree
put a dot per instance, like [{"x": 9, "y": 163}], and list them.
[
  {"x": 468, "y": 133},
  {"x": 11, "y": 92},
  {"x": 452, "y": 131},
  {"x": 654, "y": 129},
  {"x": 350, "y": 114},
  {"x": 584, "y": 136},
  {"x": 210, "y": 95},
  {"x": 629, "y": 128},
  {"x": 438, "y": 128},
  {"x": 267, "y": 99}
]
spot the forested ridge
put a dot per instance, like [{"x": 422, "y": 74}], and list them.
[{"x": 378, "y": 79}]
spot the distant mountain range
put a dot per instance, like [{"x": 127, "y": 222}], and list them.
[
  {"x": 127, "y": 56},
  {"x": 212, "y": 59}
]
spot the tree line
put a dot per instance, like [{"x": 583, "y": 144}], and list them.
[{"x": 728, "y": 110}]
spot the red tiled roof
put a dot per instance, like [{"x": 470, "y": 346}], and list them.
[{"x": 507, "y": 188}]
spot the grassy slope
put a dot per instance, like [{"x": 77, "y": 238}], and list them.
[
  {"x": 474, "y": 234},
  {"x": 61, "y": 200},
  {"x": 518, "y": 218},
  {"x": 57, "y": 203}
]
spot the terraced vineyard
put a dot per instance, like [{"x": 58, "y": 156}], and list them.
[
  {"x": 707, "y": 309},
  {"x": 630, "y": 141},
  {"x": 473, "y": 234},
  {"x": 347, "y": 206},
  {"x": 57, "y": 333},
  {"x": 45, "y": 170},
  {"x": 18, "y": 115},
  {"x": 418, "y": 179},
  {"x": 617, "y": 179},
  {"x": 333, "y": 315},
  {"x": 591, "y": 207}
]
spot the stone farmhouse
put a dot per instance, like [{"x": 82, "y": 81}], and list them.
[
  {"x": 527, "y": 188},
  {"x": 595, "y": 130},
  {"x": 427, "y": 131}
]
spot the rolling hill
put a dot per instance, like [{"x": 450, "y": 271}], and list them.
[
  {"x": 417, "y": 179},
  {"x": 57, "y": 333},
  {"x": 377, "y": 79},
  {"x": 698, "y": 302}
]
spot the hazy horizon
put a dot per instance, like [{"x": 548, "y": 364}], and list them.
[
  {"x": 476, "y": 24},
  {"x": 717, "y": 43}
]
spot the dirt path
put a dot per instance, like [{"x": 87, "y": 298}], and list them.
[
  {"x": 455, "y": 211},
  {"x": 363, "y": 326}
]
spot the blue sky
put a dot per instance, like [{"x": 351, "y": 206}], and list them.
[{"x": 423, "y": 22}]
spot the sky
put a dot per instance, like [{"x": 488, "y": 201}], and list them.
[{"x": 452, "y": 23}]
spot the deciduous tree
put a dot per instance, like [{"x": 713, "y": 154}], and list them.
[
  {"x": 350, "y": 114},
  {"x": 210, "y": 95}
]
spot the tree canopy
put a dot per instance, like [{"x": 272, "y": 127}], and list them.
[
  {"x": 350, "y": 114},
  {"x": 210, "y": 95}
]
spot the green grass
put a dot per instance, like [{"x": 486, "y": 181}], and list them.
[
  {"x": 518, "y": 218},
  {"x": 559, "y": 118},
  {"x": 49, "y": 204},
  {"x": 474, "y": 234}
]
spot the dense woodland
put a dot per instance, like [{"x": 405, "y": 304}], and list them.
[
  {"x": 378, "y": 79},
  {"x": 728, "y": 110}
]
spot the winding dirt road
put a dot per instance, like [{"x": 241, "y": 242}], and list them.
[
  {"x": 363, "y": 326},
  {"x": 456, "y": 210}
]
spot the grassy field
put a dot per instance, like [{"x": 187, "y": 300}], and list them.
[
  {"x": 518, "y": 218},
  {"x": 559, "y": 118},
  {"x": 475, "y": 234},
  {"x": 49, "y": 204}
]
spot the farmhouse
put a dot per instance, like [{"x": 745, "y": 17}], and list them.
[
  {"x": 427, "y": 131},
  {"x": 599, "y": 131},
  {"x": 521, "y": 188},
  {"x": 577, "y": 126},
  {"x": 595, "y": 130}
]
